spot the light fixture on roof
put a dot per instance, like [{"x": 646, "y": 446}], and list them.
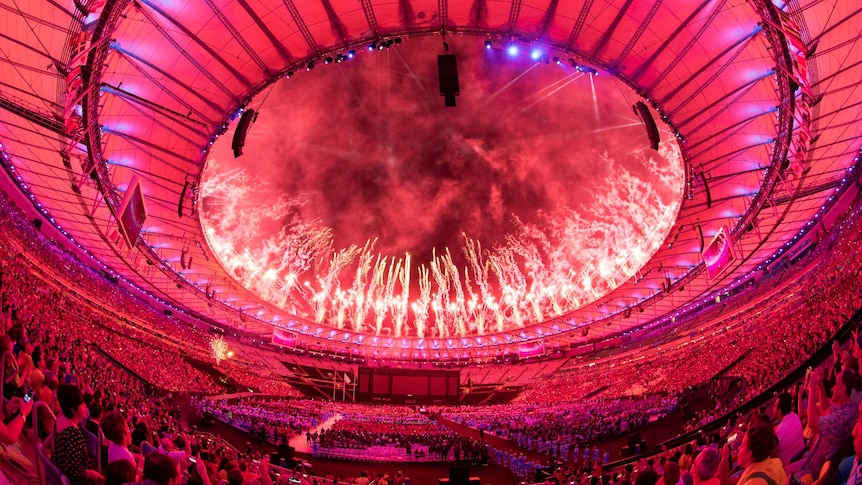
[
  {"x": 309, "y": 66},
  {"x": 488, "y": 44}
]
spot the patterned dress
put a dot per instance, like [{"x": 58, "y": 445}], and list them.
[
  {"x": 834, "y": 430},
  {"x": 71, "y": 454}
]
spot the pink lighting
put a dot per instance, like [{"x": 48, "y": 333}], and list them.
[{"x": 406, "y": 219}]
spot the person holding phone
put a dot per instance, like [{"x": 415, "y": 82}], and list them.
[{"x": 16, "y": 413}]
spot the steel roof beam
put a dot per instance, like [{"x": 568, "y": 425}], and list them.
[
  {"x": 548, "y": 17},
  {"x": 646, "y": 64},
  {"x": 32, "y": 114},
  {"x": 136, "y": 101},
  {"x": 190, "y": 58},
  {"x": 638, "y": 33},
  {"x": 579, "y": 24},
  {"x": 609, "y": 30},
  {"x": 740, "y": 45},
  {"x": 745, "y": 87},
  {"x": 279, "y": 47},
  {"x": 170, "y": 92},
  {"x": 338, "y": 27},
  {"x": 731, "y": 129},
  {"x": 302, "y": 26},
  {"x": 368, "y": 10},
  {"x": 238, "y": 37},
  {"x": 514, "y": 13},
  {"x": 148, "y": 144}
]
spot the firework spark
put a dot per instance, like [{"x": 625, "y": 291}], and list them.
[{"x": 518, "y": 207}]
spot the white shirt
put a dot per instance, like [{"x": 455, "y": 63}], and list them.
[
  {"x": 117, "y": 453},
  {"x": 790, "y": 441}
]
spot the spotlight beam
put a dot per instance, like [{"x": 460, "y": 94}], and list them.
[
  {"x": 571, "y": 78},
  {"x": 510, "y": 83}
]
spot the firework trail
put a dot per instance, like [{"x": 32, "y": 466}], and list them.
[{"x": 527, "y": 277}]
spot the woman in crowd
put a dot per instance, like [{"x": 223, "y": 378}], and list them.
[
  {"x": 70, "y": 447},
  {"x": 758, "y": 444},
  {"x": 831, "y": 420},
  {"x": 123, "y": 466}
]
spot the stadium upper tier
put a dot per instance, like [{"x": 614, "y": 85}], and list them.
[
  {"x": 755, "y": 338},
  {"x": 566, "y": 227}
]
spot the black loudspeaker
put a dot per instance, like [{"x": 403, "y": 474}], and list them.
[
  {"x": 459, "y": 475},
  {"x": 706, "y": 191},
  {"x": 644, "y": 114},
  {"x": 248, "y": 117},
  {"x": 182, "y": 197},
  {"x": 37, "y": 223},
  {"x": 285, "y": 452},
  {"x": 447, "y": 69}
]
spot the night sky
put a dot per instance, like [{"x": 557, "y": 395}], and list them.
[
  {"x": 537, "y": 159},
  {"x": 372, "y": 148}
]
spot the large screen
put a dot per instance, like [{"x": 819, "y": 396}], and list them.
[
  {"x": 132, "y": 213},
  {"x": 719, "y": 254},
  {"x": 283, "y": 337},
  {"x": 407, "y": 386}
]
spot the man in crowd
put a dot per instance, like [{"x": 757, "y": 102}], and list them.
[
  {"x": 160, "y": 469},
  {"x": 788, "y": 428}
]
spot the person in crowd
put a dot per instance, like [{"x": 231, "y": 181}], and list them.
[
  {"x": 71, "y": 455},
  {"x": 850, "y": 470},
  {"x": 199, "y": 474},
  {"x": 704, "y": 468},
  {"x": 788, "y": 428},
  {"x": 646, "y": 477},
  {"x": 121, "y": 463},
  {"x": 16, "y": 413},
  {"x": 248, "y": 475},
  {"x": 831, "y": 420},
  {"x": 755, "y": 457},
  {"x": 671, "y": 474},
  {"x": 160, "y": 469},
  {"x": 362, "y": 479},
  {"x": 140, "y": 434},
  {"x": 94, "y": 416},
  {"x": 686, "y": 457},
  {"x": 11, "y": 382},
  {"x": 178, "y": 448}
]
